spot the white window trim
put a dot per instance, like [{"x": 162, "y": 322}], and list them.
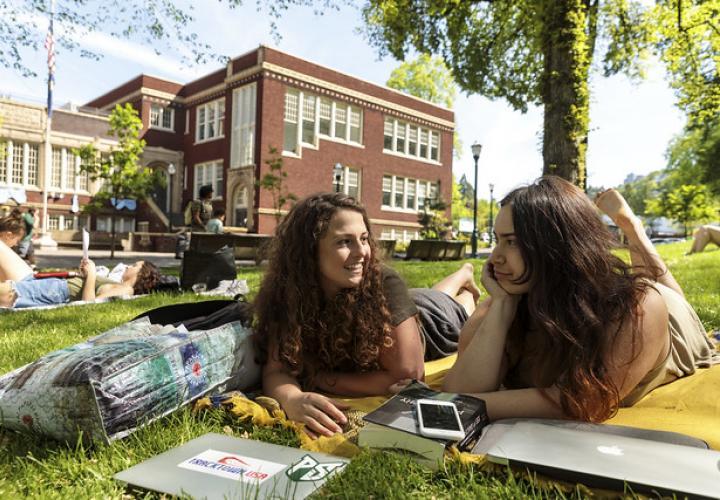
[
  {"x": 237, "y": 151},
  {"x": 163, "y": 110},
  {"x": 344, "y": 187},
  {"x": 318, "y": 136},
  {"x": 399, "y": 123},
  {"x": 220, "y": 132},
  {"x": 196, "y": 186},
  {"x": 417, "y": 209}
]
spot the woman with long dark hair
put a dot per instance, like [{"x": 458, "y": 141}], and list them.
[
  {"x": 332, "y": 319},
  {"x": 571, "y": 330}
]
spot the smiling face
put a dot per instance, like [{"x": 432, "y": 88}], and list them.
[
  {"x": 343, "y": 252},
  {"x": 507, "y": 261}
]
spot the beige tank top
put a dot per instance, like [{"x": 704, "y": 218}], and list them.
[{"x": 690, "y": 347}]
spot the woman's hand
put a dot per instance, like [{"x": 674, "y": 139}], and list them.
[
  {"x": 321, "y": 415},
  {"x": 612, "y": 203},
  {"x": 493, "y": 288},
  {"x": 87, "y": 268}
]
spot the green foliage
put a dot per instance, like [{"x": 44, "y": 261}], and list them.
[
  {"x": 432, "y": 219},
  {"x": 427, "y": 77},
  {"x": 120, "y": 172},
  {"x": 695, "y": 155},
  {"x": 686, "y": 204},
  {"x": 462, "y": 205},
  {"x": 159, "y": 24},
  {"x": 273, "y": 181},
  {"x": 640, "y": 190}
]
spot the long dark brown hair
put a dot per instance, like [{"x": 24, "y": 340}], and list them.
[
  {"x": 147, "y": 278},
  {"x": 306, "y": 331},
  {"x": 581, "y": 295}
]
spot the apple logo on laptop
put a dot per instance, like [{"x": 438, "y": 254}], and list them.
[{"x": 611, "y": 450}]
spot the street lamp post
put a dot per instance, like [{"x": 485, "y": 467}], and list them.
[
  {"x": 337, "y": 170},
  {"x": 171, "y": 171},
  {"x": 476, "y": 149},
  {"x": 492, "y": 186}
]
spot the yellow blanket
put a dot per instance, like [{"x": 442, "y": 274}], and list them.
[{"x": 690, "y": 405}]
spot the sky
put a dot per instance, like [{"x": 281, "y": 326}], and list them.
[{"x": 630, "y": 124}]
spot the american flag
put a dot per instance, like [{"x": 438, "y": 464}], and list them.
[{"x": 50, "y": 46}]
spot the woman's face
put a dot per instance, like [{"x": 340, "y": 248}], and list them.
[
  {"x": 508, "y": 264},
  {"x": 343, "y": 252},
  {"x": 10, "y": 239},
  {"x": 131, "y": 272}
]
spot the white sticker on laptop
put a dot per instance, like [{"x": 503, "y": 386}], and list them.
[{"x": 232, "y": 466}]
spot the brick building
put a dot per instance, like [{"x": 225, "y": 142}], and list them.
[
  {"x": 395, "y": 150},
  {"x": 22, "y": 163}
]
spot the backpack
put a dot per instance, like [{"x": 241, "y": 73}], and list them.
[{"x": 187, "y": 214}]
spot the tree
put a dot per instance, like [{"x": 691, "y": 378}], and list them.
[
  {"x": 686, "y": 204},
  {"x": 432, "y": 218},
  {"x": 541, "y": 52},
  {"x": 428, "y": 78},
  {"x": 273, "y": 181},
  {"x": 695, "y": 155},
  {"x": 462, "y": 205},
  {"x": 119, "y": 172},
  {"x": 154, "y": 23}
]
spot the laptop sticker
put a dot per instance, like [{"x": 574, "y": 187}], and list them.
[
  {"x": 232, "y": 466},
  {"x": 309, "y": 469}
]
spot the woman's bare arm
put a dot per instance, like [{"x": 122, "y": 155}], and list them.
[{"x": 403, "y": 360}]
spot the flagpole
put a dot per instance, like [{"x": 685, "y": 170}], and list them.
[{"x": 46, "y": 238}]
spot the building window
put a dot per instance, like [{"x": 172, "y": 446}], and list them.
[
  {"x": 404, "y": 235},
  {"x": 290, "y": 142},
  {"x": 209, "y": 173},
  {"x": 210, "y": 120},
  {"x": 309, "y": 117},
  {"x": 308, "y": 120},
  {"x": 242, "y": 150},
  {"x": 350, "y": 182},
  {"x": 409, "y": 140},
  {"x": 122, "y": 224},
  {"x": 162, "y": 117},
  {"x": 18, "y": 163},
  {"x": 241, "y": 207},
  {"x": 65, "y": 173},
  {"x": 405, "y": 193}
]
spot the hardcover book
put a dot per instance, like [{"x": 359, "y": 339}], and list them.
[{"x": 395, "y": 426}]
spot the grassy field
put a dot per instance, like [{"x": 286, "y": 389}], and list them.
[{"x": 31, "y": 466}]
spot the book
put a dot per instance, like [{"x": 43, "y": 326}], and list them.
[{"x": 394, "y": 424}]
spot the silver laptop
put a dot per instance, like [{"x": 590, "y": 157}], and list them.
[
  {"x": 609, "y": 461},
  {"x": 216, "y": 466}
]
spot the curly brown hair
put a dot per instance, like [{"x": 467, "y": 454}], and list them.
[
  {"x": 305, "y": 331},
  {"x": 13, "y": 224},
  {"x": 579, "y": 288},
  {"x": 147, "y": 279}
]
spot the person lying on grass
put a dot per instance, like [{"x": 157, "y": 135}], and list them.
[
  {"x": 331, "y": 318},
  {"x": 18, "y": 287},
  {"x": 571, "y": 330}
]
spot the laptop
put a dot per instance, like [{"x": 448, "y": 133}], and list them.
[
  {"x": 217, "y": 466},
  {"x": 609, "y": 461}
]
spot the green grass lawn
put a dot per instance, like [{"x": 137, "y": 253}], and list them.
[{"x": 31, "y": 466}]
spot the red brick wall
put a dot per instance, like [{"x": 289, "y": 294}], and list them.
[{"x": 313, "y": 173}]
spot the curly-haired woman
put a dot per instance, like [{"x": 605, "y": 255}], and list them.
[
  {"x": 331, "y": 318},
  {"x": 18, "y": 287},
  {"x": 571, "y": 330}
]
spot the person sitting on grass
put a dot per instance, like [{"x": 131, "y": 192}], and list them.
[
  {"x": 215, "y": 224},
  {"x": 18, "y": 287},
  {"x": 703, "y": 236},
  {"x": 571, "y": 330},
  {"x": 330, "y": 318}
]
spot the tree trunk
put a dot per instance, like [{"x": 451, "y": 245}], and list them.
[{"x": 565, "y": 94}]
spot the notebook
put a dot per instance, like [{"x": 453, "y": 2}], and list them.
[
  {"x": 217, "y": 466},
  {"x": 609, "y": 461}
]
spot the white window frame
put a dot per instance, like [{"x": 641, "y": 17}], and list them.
[
  {"x": 215, "y": 108},
  {"x": 69, "y": 183},
  {"x": 300, "y": 112},
  {"x": 215, "y": 180},
  {"x": 405, "y": 127},
  {"x": 161, "y": 111},
  {"x": 419, "y": 185},
  {"x": 344, "y": 184},
  {"x": 16, "y": 165},
  {"x": 244, "y": 109}
]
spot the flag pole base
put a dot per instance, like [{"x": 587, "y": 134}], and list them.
[{"x": 45, "y": 241}]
